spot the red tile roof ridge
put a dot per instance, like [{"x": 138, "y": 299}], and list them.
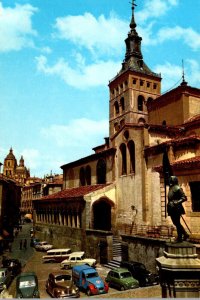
[{"x": 76, "y": 191}]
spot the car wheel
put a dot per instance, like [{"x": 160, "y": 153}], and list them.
[{"x": 88, "y": 292}]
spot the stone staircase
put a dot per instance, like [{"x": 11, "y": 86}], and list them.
[{"x": 117, "y": 254}]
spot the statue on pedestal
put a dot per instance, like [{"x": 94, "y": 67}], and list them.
[{"x": 175, "y": 209}]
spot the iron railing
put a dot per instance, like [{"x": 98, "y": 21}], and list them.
[{"x": 160, "y": 231}]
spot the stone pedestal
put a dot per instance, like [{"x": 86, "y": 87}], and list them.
[{"x": 179, "y": 271}]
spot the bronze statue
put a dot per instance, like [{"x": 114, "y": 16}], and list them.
[{"x": 175, "y": 209}]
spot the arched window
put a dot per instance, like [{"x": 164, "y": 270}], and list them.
[
  {"x": 131, "y": 148},
  {"x": 140, "y": 102},
  {"x": 123, "y": 159},
  {"x": 141, "y": 121},
  {"x": 82, "y": 176},
  {"x": 122, "y": 103},
  {"x": 116, "y": 105},
  {"x": 101, "y": 171},
  {"x": 88, "y": 175}
]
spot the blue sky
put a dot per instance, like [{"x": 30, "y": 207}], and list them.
[{"x": 56, "y": 60}]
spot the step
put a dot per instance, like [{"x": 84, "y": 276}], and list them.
[{"x": 112, "y": 264}]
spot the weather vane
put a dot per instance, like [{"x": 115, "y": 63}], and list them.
[{"x": 133, "y": 4}]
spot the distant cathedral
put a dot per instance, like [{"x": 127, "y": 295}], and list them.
[{"x": 11, "y": 169}]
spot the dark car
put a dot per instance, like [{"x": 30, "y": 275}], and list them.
[
  {"x": 60, "y": 285},
  {"x": 121, "y": 279},
  {"x": 34, "y": 242},
  {"x": 139, "y": 271},
  {"x": 27, "y": 286},
  {"x": 5, "y": 278},
  {"x": 13, "y": 265}
]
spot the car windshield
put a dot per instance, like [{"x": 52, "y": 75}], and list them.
[
  {"x": 125, "y": 275},
  {"x": 91, "y": 275},
  {"x": 27, "y": 283},
  {"x": 61, "y": 278}
]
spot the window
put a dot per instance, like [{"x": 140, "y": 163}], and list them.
[
  {"x": 88, "y": 175},
  {"x": 134, "y": 81},
  {"x": 154, "y": 86},
  {"x": 148, "y": 84},
  {"x": 131, "y": 148},
  {"x": 122, "y": 103},
  {"x": 124, "y": 161},
  {"x": 140, "y": 102},
  {"x": 82, "y": 176},
  {"x": 195, "y": 192},
  {"x": 116, "y": 105},
  {"x": 101, "y": 171},
  {"x": 141, "y": 82}
]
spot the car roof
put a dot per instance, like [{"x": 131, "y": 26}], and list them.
[
  {"x": 59, "y": 250},
  {"x": 120, "y": 270},
  {"x": 77, "y": 253}
]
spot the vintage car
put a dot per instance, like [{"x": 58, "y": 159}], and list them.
[
  {"x": 43, "y": 246},
  {"x": 121, "y": 279},
  {"x": 139, "y": 272},
  {"x": 76, "y": 259},
  {"x": 27, "y": 286},
  {"x": 5, "y": 278},
  {"x": 60, "y": 285},
  {"x": 13, "y": 265}
]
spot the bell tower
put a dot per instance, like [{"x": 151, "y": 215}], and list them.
[
  {"x": 10, "y": 164},
  {"x": 133, "y": 86}
]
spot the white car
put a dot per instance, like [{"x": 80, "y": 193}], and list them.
[
  {"x": 77, "y": 259},
  {"x": 43, "y": 246}
]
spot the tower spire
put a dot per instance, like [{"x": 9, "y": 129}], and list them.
[{"x": 133, "y": 24}]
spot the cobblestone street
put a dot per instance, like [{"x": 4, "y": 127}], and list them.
[{"x": 32, "y": 261}]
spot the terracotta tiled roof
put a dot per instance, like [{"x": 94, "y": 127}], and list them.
[
  {"x": 193, "y": 162},
  {"x": 176, "y": 142},
  {"x": 188, "y": 164},
  {"x": 74, "y": 192}
]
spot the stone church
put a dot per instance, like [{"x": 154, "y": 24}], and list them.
[
  {"x": 12, "y": 169},
  {"x": 121, "y": 184}
]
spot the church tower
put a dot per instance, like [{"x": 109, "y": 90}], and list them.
[
  {"x": 133, "y": 86},
  {"x": 10, "y": 164}
]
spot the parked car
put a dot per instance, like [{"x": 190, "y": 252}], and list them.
[
  {"x": 87, "y": 279},
  {"x": 139, "y": 271},
  {"x": 43, "y": 246},
  {"x": 58, "y": 255},
  {"x": 60, "y": 285},
  {"x": 27, "y": 286},
  {"x": 5, "y": 278},
  {"x": 34, "y": 242},
  {"x": 13, "y": 265},
  {"x": 76, "y": 259},
  {"x": 121, "y": 279}
]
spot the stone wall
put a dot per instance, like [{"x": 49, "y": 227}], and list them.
[
  {"x": 144, "y": 250},
  {"x": 95, "y": 243}
]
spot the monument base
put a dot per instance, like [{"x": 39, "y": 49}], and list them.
[{"x": 179, "y": 271}]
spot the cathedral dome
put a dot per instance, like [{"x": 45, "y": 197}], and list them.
[{"x": 10, "y": 156}]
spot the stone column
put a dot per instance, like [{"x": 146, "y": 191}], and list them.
[{"x": 179, "y": 271}]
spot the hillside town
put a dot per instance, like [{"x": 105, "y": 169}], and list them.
[{"x": 112, "y": 205}]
